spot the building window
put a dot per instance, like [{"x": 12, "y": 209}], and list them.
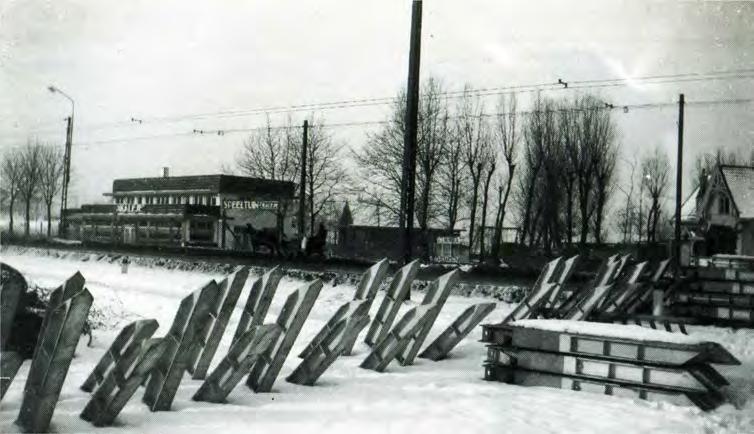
[
  {"x": 214, "y": 201},
  {"x": 724, "y": 205}
]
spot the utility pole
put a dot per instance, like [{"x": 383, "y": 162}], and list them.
[
  {"x": 66, "y": 175},
  {"x": 302, "y": 187},
  {"x": 409, "y": 139},
  {"x": 678, "y": 192},
  {"x": 66, "y": 160}
]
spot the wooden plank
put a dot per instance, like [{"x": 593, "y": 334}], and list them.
[
  {"x": 458, "y": 329},
  {"x": 258, "y": 302},
  {"x": 524, "y": 377},
  {"x": 321, "y": 356},
  {"x": 390, "y": 305},
  {"x": 351, "y": 309},
  {"x": 237, "y": 363},
  {"x": 291, "y": 319},
  {"x": 63, "y": 323},
  {"x": 437, "y": 294},
  {"x": 667, "y": 351},
  {"x": 538, "y": 294},
  {"x": 121, "y": 382},
  {"x": 398, "y": 338},
  {"x": 127, "y": 345},
  {"x": 166, "y": 376},
  {"x": 220, "y": 322},
  {"x": 12, "y": 287},
  {"x": 10, "y": 362},
  {"x": 371, "y": 280}
]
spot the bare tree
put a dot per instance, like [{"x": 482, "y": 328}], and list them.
[
  {"x": 11, "y": 174},
  {"x": 434, "y": 134},
  {"x": 452, "y": 182},
  {"x": 706, "y": 162},
  {"x": 604, "y": 171},
  {"x": 381, "y": 159},
  {"x": 325, "y": 174},
  {"x": 656, "y": 178},
  {"x": 627, "y": 215},
  {"x": 380, "y": 162},
  {"x": 50, "y": 180},
  {"x": 31, "y": 172},
  {"x": 507, "y": 136},
  {"x": 485, "y": 198},
  {"x": 533, "y": 189},
  {"x": 472, "y": 131},
  {"x": 273, "y": 153}
]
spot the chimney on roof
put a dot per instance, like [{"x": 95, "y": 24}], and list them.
[{"x": 165, "y": 172}]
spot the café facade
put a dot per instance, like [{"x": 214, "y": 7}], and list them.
[{"x": 202, "y": 210}]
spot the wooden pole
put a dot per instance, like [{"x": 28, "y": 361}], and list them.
[
  {"x": 409, "y": 140},
  {"x": 302, "y": 186},
  {"x": 678, "y": 193}
]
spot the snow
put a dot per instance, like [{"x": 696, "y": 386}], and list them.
[
  {"x": 620, "y": 331},
  {"x": 449, "y": 396}
]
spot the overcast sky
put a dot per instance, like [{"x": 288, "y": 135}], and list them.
[{"x": 151, "y": 59}]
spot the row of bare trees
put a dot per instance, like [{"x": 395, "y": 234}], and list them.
[
  {"x": 467, "y": 160},
  {"x": 568, "y": 176},
  {"x": 550, "y": 171},
  {"x": 33, "y": 173},
  {"x": 275, "y": 153},
  {"x": 464, "y": 155}
]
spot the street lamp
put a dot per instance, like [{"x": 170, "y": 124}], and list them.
[{"x": 66, "y": 159}]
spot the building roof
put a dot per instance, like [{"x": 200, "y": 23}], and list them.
[
  {"x": 688, "y": 208},
  {"x": 207, "y": 184},
  {"x": 740, "y": 182}
]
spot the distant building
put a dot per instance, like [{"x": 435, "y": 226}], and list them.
[
  {"x": 204, "y": 210},
  {"x": 719, "y": 216},
  {"x": 375, "y": 242}
]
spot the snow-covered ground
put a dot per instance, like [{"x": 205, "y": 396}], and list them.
[{"x": 447, "y": 396}]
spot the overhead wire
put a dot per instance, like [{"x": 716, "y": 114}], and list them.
[
  {"x": 742, "y": 73},
  {"x": 228, "y": 131}
]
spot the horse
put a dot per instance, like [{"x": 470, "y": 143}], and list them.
[{"x": 315, "y": 245}]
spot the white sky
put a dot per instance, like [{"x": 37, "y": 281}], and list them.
[{"x": 150, "y": 59}]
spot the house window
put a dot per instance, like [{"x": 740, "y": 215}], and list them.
[{"x": 724, "y": 205}]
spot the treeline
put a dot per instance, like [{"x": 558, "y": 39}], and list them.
[
  {"x": 31, "y": 175},
  {"x": 549, "y": 170}
]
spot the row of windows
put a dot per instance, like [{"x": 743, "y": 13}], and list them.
[{"x": 198, "y": 199}]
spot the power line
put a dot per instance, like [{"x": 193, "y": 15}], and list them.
[
  {"x": 229, "y": 131},
  {"x": 490, "y": 91},
  {"x": 481, "y": 92},
  {"x": 560, "y": 85}
]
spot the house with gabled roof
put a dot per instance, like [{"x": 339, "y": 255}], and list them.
[{"x": 719, "y": 217}]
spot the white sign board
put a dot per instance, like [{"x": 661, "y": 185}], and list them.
[
  {"x": 129, "y": 208},
  {"x": 269, "y": 205},
  {"x": 448, "y": 240}
]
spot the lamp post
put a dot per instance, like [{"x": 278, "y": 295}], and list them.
[{"x": 66, "y": 160}]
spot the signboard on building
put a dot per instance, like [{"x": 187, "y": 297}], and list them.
[
  {"x": 449, "y": 240},
  {"x": 129, "y": 208},
  {"x": 269, "y": 205}
]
